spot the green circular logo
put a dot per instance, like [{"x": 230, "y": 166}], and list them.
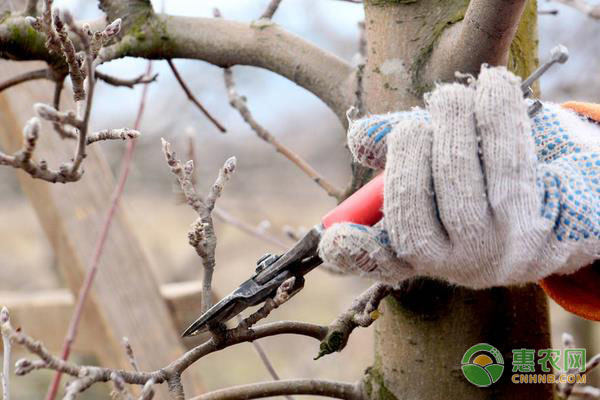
[{"x": 482, "y": 365}]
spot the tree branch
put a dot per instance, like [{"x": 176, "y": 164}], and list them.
[
  {"x": 484, "y": 36},
  {"x": 202, "y": 235},
  {"x": 239, "y": 103},
  {"x": 315, "y": 387},
  {"x": 271, "y": 9},
  {"x": 363, "y": 312},
  {"x": 589, "y": 10},
  {"x": 193, "y": 98},
  {"x": 24, "y": 77},
  {"x": 6, "y": 346},
  {"x": 217, "y": 41},
  {"x": 130, "y": 83}
]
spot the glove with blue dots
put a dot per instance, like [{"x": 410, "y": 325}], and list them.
[{"x": 476, "y": 193}]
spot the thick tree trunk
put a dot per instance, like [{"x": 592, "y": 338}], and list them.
[{"x": 424, "y": 332}]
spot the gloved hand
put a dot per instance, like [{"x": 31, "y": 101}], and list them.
[{"x": 475, "y": 192}]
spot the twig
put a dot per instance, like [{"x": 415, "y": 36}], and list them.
[
  {"x": 363, "y": 312},
  {"x": 590, "y": 10},
  {"x": 567, "y": 390},
  {"x": 112, "y": 134},
  {"x": 5, "y": 328},
  {"x": 202, "y": 235},
  {"x": 239, "y": 104},
  {"x": 360, "y": 68},
  {"x": 585, "y": 393},
  {"x": 119, "y": 385},
  {"x": 31, "y": 7},
  {"x": 225, "y": 216},
  {"x": 63, "y": 131},
  {"x": 147, "y": 390},
  {"x": 92, "y": 269},
  {"x": 271, "y": 9},
  {"x": 73, "y": 61},
  {"x": 315, "y": 387},
  {"x": 80, "y": 152},
  {"x": 130, "y": 355},
  {"x": 547, "y": 12},
  {"x": 264, "y": 358},
  {"x": 25, "y": 77},
  {"x": 283, "y": 294},
  {"x": 130, "y": 83},
  {"x": 93, "y": 374},
  {"x": 68, "y": 124},
  {"x": 193, "y": 98}
]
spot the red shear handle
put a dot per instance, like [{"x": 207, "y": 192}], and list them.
[{"x": 363, "y": 207}]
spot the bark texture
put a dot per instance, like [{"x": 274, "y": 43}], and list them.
[{"x": 424, "y": 332}]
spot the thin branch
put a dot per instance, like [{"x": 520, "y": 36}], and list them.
[
  {"x": 567, "y": 390},
  {"x": 315, "y": 387},
  {"x": 548, "y": 12},
  {"x": 193, "y": 98},
  {"x": 25, "y": 77},
  {"x": 112, "y": 134},
  {"x": 119, "y": 387},
  {"x": 202, "y": 235},
  {"x": 363, "y": 312},
  {"x": 239, "y": 104},
  {"x": 225, "y": 216},
  {"x": 147, "y": 390},
  {"x": 271, "y": 9},
  {"x": 31, "y": 8},
  {"x": 6, "y": 346},
  {"x": 130, "y": 355},
  {"x": 100, "y": 243},
  {"x": 95, "y": 374},
  {"x": 130, "y": 83},
  {"x": 283, "y": 294},
  {"x": 589, "y": 10},
  {"x": 264, "y": 358},
  {"x": 585, "y": 393}
]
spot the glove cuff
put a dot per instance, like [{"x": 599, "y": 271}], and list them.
[{"x": 578, "y": 292}]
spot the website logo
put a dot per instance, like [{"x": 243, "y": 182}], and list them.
[{"x": 482, "y": 365}]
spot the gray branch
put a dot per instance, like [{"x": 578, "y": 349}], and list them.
[
  {"x": 484, "y": 36},
  {"x": 217, "y": 41},
  {"x": 315, "y": 387}
]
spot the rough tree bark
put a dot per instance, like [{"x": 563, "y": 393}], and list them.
[{"x": 424, "y": 332}]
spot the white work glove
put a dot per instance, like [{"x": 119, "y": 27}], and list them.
[{"x": 475, "y": 192}]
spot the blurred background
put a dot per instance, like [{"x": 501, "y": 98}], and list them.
[{"x": 266, "y": 190}]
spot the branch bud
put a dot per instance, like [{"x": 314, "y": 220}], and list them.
[
  {"x": 23, "y": 366},
  {"x": 4, "y": 315},
  {"x": 46, "y": 112},
  {"x": 31, "y": 130},
  {"x": 229, "y": 166},
  {"x": 113, "y": 28}
]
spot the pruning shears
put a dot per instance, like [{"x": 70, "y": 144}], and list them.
[{"x": 363, "y": 207}]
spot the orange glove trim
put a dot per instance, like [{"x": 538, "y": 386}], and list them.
[{"x": 578, "y": 293}]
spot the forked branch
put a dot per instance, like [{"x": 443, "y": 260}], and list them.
[{"x": 202, "y": 234}]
